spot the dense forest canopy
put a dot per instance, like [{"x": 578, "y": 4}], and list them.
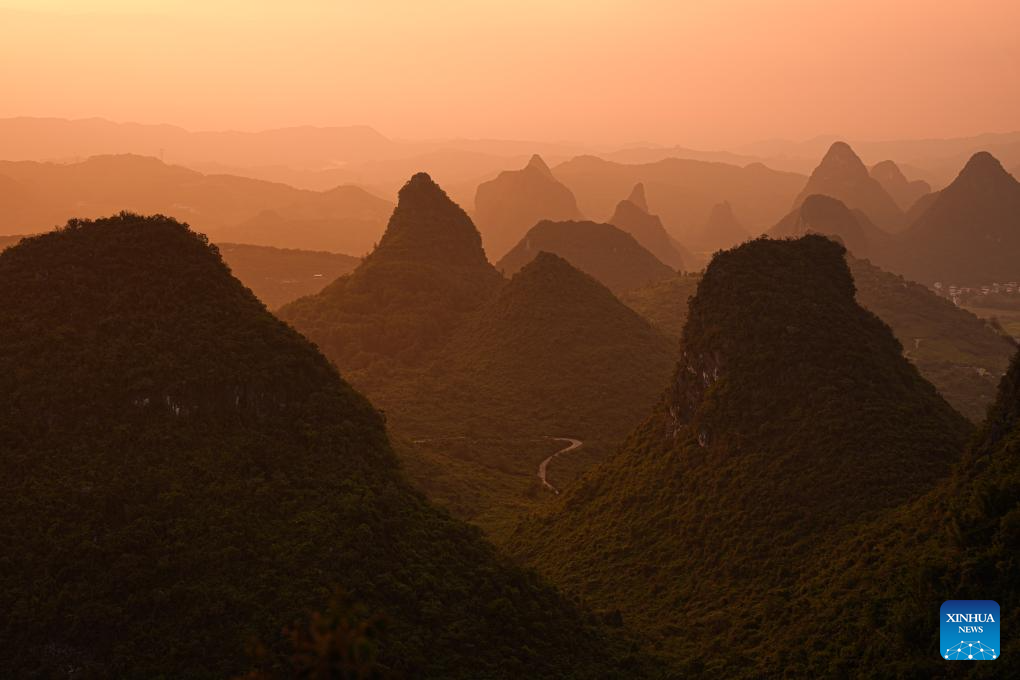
[{"x": 185, "y": 473}]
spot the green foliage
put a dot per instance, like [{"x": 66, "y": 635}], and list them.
[
  {"x": 341, "y": 644},
  {"x": 963, "y": 356},
  {"x": 184, "y": 472},
  {"x": 793, "y": 417},
  {"x": 553, "y": 353},
  {"x": 402, "y": 303}
]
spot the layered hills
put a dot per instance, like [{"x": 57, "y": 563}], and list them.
[
  {"x": 841, "y": 174},
  {"x": 819, "y": 214},
  {"x": 633, "y": 216},
  {"x": 184, "y": 472},
  {"x": 37, "y": 196},
  {"x": 792, "y": 415},
  {"x": 905, "y": 192},
  {"x": 969, "y": 232},
  {"x": 684, "y": 191},
  {"x": 607, "y": 253},
  {"x": 507, "y": 206},
  {"x": 721, "y": 230},
  {"x": 962, "y": 355},
  {"x": 405, "y": 299},
  {"x": 554, "y": 352}
]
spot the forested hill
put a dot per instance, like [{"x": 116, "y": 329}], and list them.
[
  {"x": 403, "y": 302},
  {"x": 184, "y": 473},
  {"x": 883, "y": 583},
  {"x": 792, "y": 415},
  {"x": 604, "y": 251},
  {"x": 554, "y": 352},
  {"x": 962, "y": 355}
]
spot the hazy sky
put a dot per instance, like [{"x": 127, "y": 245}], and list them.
[{"x": 700, "y": 73}]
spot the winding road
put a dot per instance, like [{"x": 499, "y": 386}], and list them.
[{"x": 574, "y": 445}]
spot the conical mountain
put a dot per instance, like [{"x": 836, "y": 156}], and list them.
[
  {"x": 403, "y": 301},
  {"x": 828, "y": 216},
  {"x": 183, "y": 472},
  {"x": 554, "y": 353},
  {"x": 637, "y": 197},
  {"x": 632, "y": 216},
  {"x": 792, "y": 415},
  {"x": 603, "y": 251},
  {"x": 970, "y": 234},
  {"x": 842, "y": 175},
  {"x": 905, "y": 192},
  {"x": 723, "y": 229},
  {"x": 506, "y": 207}
]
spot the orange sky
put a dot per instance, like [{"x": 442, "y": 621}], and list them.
[{"x": 700, "y": 73}]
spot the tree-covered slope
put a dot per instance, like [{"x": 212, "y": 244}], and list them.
[
  {"x": 553, "y": 353},
  {"x": 884, "y": 583},
  {"x": 403, "y": 302},
  {"x": 633, "y": 216},
  {"x": 819, "y": 214},
  {"x": 792, "y": 415},
  {"x": 962, "y": 355},
  {"x": 183, "y": 472},
  {"x": 969, "y": 233},
  {"x": 603, "y": 251},
  {"x": 841, "y": 174}
]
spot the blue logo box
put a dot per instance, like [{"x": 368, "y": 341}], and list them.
[{"x": 969, "y": 630}]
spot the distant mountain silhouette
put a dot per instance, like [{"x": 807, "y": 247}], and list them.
[
  {"x": 819, "y": 214},
  {"x": 280, "y": 275},
  {"x": 903, "y": 191},
  {"x": 516, "y": 200},
  {"x": 633, "y": 216},
  {"x": 236, "y": 209},
  {"x": 404, "y": 300},
  {"x": 722, "y": 230},
  {"x": 553, "y": 352},
  {"x": 787, "y": 403},
  {"x": 842, "y": 175},
  {"x": 344, "y": 219},
  {"x": 970, "y": 232},
  {"x": 203, "y": 476},
  {"x": 603, "y": 251},
  {"x": 684, "y": 192}
]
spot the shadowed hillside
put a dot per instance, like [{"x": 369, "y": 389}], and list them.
[
  {"x": 184, "y": 472},
  {"x": 819, "y": 214},
  {"x": 554, "y": 353},
  {"x": 506, "y": 207},
  {"x": 633, "y": 216},
  {"x": 603, "y": 251},
  {"x": 787, "y": 401},
  {"x": 405, "y": 299},
  {"x": 842, "y": 175},
  {"x": 969, "y": 233}
]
